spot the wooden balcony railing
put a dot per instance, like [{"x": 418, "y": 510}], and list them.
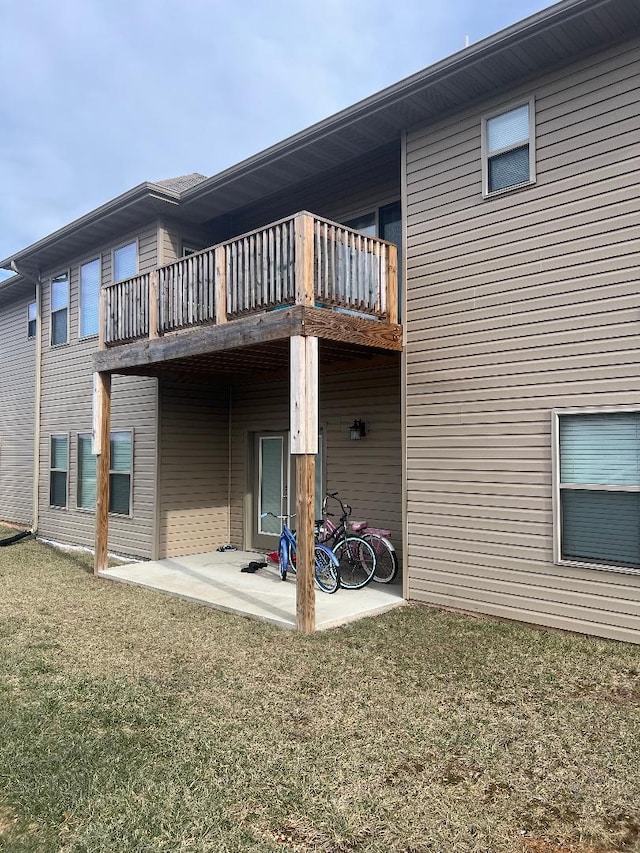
[{"x": 300, "y": 260}]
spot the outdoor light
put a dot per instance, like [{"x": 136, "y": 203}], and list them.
[{"x": 357, "y": 430}]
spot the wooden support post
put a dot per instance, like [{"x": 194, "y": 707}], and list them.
[
  {"x": 102, "y": 448},
  {"x": 304, "y": 445},
  {"x": 153, "y": 304},
  {"x": 305, "y": 590},
  {"x": 304, "y": 259},
  {"x": 221, "y": 284},
  {"x": 392, "y": 284}
]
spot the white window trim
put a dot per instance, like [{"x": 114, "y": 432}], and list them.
[
  {"x": 556, "y": 414},
  {"x": 29, "y": 321},
  {"x": 68, "y": 469},
  {"x": 68, "y": 308},
  {"x": 130, "y": 513},
  {"x": 531, "y": 102},
  {"x": 97, "y": 258},
  {"x": 126, "y": 243}
]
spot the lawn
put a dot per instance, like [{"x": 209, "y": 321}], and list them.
[{"x": 130, "y": 721}]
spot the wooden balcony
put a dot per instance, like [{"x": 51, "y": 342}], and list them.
[{"x": 301, "y": 275}]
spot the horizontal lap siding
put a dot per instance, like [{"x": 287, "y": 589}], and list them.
[
  {"x": 518, "y": 305},
  {"x": 194, "y": 470},
  {"x": 67, "y": 388},
  {"x": 17, "y": 387},
  {"x": 367, "y": 474}
]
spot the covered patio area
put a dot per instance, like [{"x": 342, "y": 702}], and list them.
[{"x": 215, "y": 579}]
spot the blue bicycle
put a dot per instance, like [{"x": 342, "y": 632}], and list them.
[{"x": 326, "y": 565}]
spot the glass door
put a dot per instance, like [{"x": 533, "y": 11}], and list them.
[{"x": 271, "y": 488}]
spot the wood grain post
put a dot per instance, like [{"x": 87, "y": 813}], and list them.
[
  {"x": 153, "y": 305},
  {"x": 304, "y": 238},
  {"x": 220, "y": 265},
  {"x": 392, "y": 284},
  {"x": 304, "y": 445},
  {"x": 305, "y": 590},
  {"x": 102, "y": 447}
]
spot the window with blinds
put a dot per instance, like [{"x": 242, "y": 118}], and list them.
[
  {"x": 120, "y": 473},
  {"x": 89, "y": 298},
  {"x": 58, "y": 470},
  {"x": 32, "y": 319},
  {"x": 125, "y": 261},
  {"x": 86, "y": 486},
  {"x": 508, "y": 156},
  {"x": 60, "y": 309},
  {"x": 599, "y": 488}
]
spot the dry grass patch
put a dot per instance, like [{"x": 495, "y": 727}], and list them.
[{"x": 136, "y": 722}]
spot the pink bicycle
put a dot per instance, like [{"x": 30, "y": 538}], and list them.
[{"x": 387, "y": 565}]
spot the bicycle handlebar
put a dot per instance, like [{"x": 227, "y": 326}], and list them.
[
  {"x": 346, "y": 509},
  {"x": 280, "y": 517}
]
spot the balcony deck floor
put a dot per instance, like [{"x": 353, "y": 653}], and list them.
[{"x": 215, "y": 579}]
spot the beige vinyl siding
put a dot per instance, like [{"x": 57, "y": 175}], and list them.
[
  {"x": 366, "y": 473},
  {"x": 67, "y": 387},
  {"x": 17, "y": 406},
  {"x": 194, "y": 469},
  {"x": 517, "y": 305}
]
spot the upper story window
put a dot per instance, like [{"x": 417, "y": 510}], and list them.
[
  {"x": 89, "y": 298},
  {"x": 508, "y": 149},
  {"x": 32, "y": 319},
  {"x": 60, "y": 309},
  {"x": 125, "y": 261},
  {"x": 597, "y": 488}
]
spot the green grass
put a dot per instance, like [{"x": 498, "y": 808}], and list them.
[{"x": 130, "y": 721}]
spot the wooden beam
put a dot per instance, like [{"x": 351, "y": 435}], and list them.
[
  {"x": 244, "y": 332},
  {"x": 220, "y": 265},
  {"x": 153, "y": 305},
  {"x": 304, "y": 259},
  {"x": 102, "y": 319},
  {"x": 305, "y": 590},
  {"x": 102, "y": 444},
  {"x": 304, "y": 395},
  {"x": 335, "y": 326}
]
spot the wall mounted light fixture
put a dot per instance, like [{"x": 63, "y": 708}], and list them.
[{"x": 357, "y": 430}]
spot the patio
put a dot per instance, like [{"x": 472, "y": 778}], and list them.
[{"x": 215, "y": 579}]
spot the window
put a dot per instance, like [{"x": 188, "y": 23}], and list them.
[
  {"x": 597, "y": 479},
  {"x": 125, "y": 261},
  {"x": 89, "y": 298},
  {"x": 60, "y": 309},
  {"x": 32, "y": 319},
  {"x": 508, "y": 156},
  {"x": 58, "y": 470},
  {"x": 120, "y": 473},
  {"x": 86, "y": 489}
]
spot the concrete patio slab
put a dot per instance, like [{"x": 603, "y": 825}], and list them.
[{"x": 215, "y": 579}]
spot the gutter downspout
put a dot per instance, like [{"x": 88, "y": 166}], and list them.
[{"x": 37, "y": 394}]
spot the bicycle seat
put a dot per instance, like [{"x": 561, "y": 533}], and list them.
[{"x": 357, "y": 526}]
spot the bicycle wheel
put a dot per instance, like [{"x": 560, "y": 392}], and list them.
[
  {"x": 284, "y": 558},
  {"x": 357, "y": 561},
  {"x": 386, "y": 557},
  {"x": 326, "y": 572}
]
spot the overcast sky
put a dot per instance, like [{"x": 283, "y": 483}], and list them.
[{"x": 99, "y": 95}]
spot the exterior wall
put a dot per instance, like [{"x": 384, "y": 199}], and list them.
[
  {"x": 17, "y": 410},
  {"x": 367, "y": 474},
  {"x": 193, "y": 493},
  {"x": 67, "y": 387},
  {"x": 516, "y": 305}
]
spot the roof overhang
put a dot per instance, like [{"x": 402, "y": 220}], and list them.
[
  {"x": 113, "y": 219},
  {"x": 551, "y": 38}
]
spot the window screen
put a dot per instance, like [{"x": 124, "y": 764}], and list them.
[
  {"x": 58, "y": 470},
  {"x": 89, "y": 298},
  {"x": 125, "y": 262},
  {"x": 60, "y": 309},
  {"x": 508, "y": 149},
  {"x": 120, "y": 473},
  {"x": 86, "y": 497}
]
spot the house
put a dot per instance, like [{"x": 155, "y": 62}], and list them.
[{"x": 453, "y": 261}]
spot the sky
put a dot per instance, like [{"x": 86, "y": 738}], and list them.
[{"x": 97, "y": 96}]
